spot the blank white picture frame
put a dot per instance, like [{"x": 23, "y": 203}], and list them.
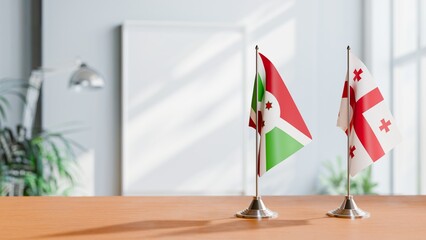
[{"x": 184, "y": 109}]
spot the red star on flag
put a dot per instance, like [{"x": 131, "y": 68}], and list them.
[{"x": 268, "y": 105}]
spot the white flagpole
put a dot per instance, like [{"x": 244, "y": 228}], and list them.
[
  {"x": 257, "y": 125},
  {"x": 349, "y": 127}
]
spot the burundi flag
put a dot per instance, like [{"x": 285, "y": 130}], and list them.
[
  {"x": 373, "y": 131},
  {"x": 281, "y": 127}
]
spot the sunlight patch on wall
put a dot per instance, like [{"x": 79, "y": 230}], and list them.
[
  {"x": 283, "y": 36},
  {"x": 266, "y": 13},
  {"x": 214, "y": 45}
]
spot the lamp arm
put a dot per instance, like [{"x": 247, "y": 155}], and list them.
[
  {"x": 33, "y": 93},
  {"x": 49, "y": 70},
  {"x": 30, "y": 108}
]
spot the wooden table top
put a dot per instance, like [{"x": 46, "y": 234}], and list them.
[{"x": 300, "y": 217}]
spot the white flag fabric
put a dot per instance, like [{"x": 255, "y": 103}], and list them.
[{"x": 373, "y": 131}]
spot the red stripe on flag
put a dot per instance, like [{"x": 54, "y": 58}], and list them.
[
  {"x": 362, "y": 129},
  {"x": 352, "y": 102},
  {"x": 260, "y": 121},
  {"x": 252, "y": 123},
  {"x": 345, "y": 90},
  {"x": 275, "y": 85},
  {"x": 345, "y": 93}
]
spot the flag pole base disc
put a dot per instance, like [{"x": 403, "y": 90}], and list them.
[
  {"x": 348, "y": 209},
  {"x": 257, "y": 209}
]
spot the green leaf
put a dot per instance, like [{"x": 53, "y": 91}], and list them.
[
  {"x": 49, "y": 163},
  {"x": 2, "y": 113},
  {"x": 4, "y": 101}
]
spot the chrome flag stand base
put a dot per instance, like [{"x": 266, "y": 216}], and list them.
[
  {"x": 348, "y": 209},
  {"x": 257, "y": 209}
]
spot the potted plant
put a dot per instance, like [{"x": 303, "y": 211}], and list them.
[
  {"x": 334, "y": 180},
  {"x": 40, "y": 164}
]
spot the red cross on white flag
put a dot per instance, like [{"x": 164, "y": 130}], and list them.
[{"x": 373, "y": 131}]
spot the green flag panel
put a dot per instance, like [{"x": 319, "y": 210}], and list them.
[{"x": 279, "y": 146}]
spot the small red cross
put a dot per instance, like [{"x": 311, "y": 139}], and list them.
[
  {"x": 268, "y": 105},
  {"x": 357, "y": 73},
  {"x": 353, "y": 148},
  {"x": 385, "y": 125}
]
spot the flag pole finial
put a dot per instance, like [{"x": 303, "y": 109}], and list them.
[
  {"x": 348, "y": 48},
  {"x": 257, "y": 47}
]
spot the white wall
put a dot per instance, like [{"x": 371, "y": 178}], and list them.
[
  {"x": 340, "y": 24},
  {"x": 15, "y": 48},
  {"x": 305, "y": 39},
  {"x": 393, "y": 40}
]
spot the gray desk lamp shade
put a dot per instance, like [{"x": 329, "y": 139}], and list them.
[
  {"x": 83, "y": 77},
  {"x": 87, "y": 78}
]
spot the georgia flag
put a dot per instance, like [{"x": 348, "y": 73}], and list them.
[{"x": 373, "y": 131}]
